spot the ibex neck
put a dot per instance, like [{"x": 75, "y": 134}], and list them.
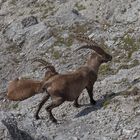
[{"x": 95, "y": 67}]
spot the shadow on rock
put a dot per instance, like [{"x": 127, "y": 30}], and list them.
[
  {"x": 14, "y": 131},
  {"x": 99, "y": 104}
]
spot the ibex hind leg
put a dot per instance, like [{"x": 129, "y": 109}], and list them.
[
  {"x": 43, "y": 101},
  {"x": 54, "y": 104},
  {"x": 76, "y": 104}
]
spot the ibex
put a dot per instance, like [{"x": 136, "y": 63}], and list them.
[
  {"x": 21, "y": 88},
  {"x": 68, "y": 87}
]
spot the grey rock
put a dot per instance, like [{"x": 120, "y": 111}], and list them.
[
  {"x": 15, "y": 132},
  {"x": 29, "y": 21},
  {"x": 43, "y": 28}
]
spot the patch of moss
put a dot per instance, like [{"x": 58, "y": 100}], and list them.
[
  {"x": 104, "y": 69},
  {"x": 78, "y": 28},
  {"x": 106, "y": 103},
  {"x": 128, "y": 66},
  {"x": 137, "y": 99},
  {"x": 80, "y": 6},
  {"x": 123, "y": 54},
  {"x": 56, "y": 54},
  {"x": 46, "y": 10},
  {"x": 69, "y": 41},
  {"x": 97, "y": 16},
  {"x": 42, "y": 7},
  {"x": 128, "y": 41},
  {"x": 131, "y": 91},
  {"x": 66, "y": 41},
  {"x": 15, "y": 106},
  {"x": 134, "y": 63},
  {"x": 129, "y": 44},
  {"x": 13, "y": 48},
  {"x": 13, "y": 2},
  {"x": 59, "y": 41}
]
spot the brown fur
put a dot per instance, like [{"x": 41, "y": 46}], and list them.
[
  {"x": 21, "y": 89},
  {"x": 68, "y": 87}
]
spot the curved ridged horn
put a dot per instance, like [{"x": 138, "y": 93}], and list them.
[
  {"x": 45, "y": 63},
  {"x": 93, "y": 47},
  {"x": 42, "y": 61},
  {"x": 86, "y": 39}
]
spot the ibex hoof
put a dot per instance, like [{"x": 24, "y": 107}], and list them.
[
  {"x": 37, "y": 117},
  {"x": 76, "y": 105},
  {"x": 54, "y": 120},
  {"x": 93, "y": 102}
]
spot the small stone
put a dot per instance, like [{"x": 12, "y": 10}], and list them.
[
  {"x": 75, "y": 138},
  {"x": 22, "y": 54},
  {"x": 91, "y": 35},
  {"x": 135, "y": 135},
  {"x": 29, "y": 21},
  {"x": 75, "y": 12},
  {"x": 123, "y": 10}
]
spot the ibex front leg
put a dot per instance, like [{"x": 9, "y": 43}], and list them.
[{"x": 90, "y": 93}]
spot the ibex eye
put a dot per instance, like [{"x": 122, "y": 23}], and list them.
[{"x": 109, "y": 57}]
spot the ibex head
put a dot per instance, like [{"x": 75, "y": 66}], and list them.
[{"x": 103, "y": 57}]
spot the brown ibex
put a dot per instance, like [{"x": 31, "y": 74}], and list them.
[
  {"x": 68, "y": 87},
  {"x": 21, "y": 88}
]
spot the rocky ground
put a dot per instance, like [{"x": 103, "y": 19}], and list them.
[{"x": 45, "y": 28}]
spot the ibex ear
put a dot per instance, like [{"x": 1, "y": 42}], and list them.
[
  {"x": 51, "y": 68},
  {"x": 108, "y": 57}
]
